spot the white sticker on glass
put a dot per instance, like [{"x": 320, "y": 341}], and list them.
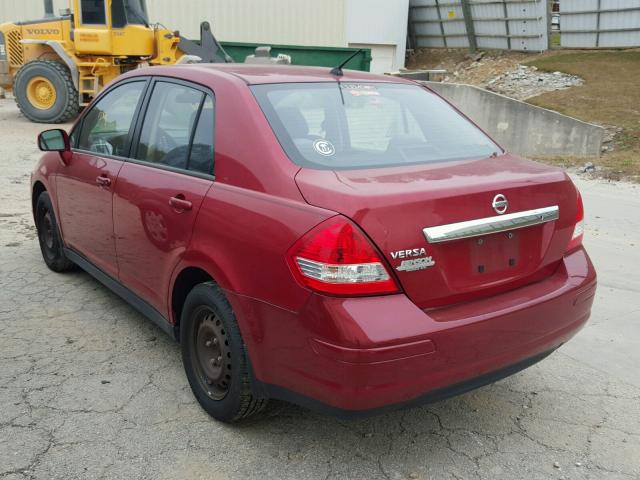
[{"x": 324, "y": 147}]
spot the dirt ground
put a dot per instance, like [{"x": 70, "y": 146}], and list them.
[
  {"x": 91, "y": 390},
  {"x": 465, "y": 67},
  {"x": 609, "y": 96}
]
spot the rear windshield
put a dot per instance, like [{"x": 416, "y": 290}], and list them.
[{"x": 365, "y": 125}]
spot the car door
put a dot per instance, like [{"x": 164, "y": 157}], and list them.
[
  {"x": 85, "y": 184},
  {"x": 160, "y": 189}
]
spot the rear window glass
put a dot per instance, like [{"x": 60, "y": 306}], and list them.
[{"x": 364, "y": 125}]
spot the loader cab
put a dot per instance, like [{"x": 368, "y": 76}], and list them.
[{"x": 112, "y": 27}]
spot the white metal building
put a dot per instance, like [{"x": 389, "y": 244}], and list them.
[{"x": 380, "y": 25}]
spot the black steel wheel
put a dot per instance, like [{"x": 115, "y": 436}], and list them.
[
  {"x": 49, "y": 236},
  {"x": 215, "y": 357},
  {"x": 211, "y": 355}
]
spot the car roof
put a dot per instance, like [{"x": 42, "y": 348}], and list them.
[{"x": 254, "y": 74}]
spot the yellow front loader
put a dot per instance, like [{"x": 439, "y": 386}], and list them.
[{"x": 57, "y": 64}]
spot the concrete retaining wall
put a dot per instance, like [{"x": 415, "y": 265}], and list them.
[{"x": 522, "y": 128}]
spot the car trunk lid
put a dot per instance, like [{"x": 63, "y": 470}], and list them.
[{"x": 394, "y": 205}]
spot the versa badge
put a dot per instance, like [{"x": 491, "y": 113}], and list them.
[{"x": 413, "y": 264}]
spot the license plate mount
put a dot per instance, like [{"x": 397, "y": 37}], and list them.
[{"x": 494, "y": 253}]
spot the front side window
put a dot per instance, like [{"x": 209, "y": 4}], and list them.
[
  {"x": 93, "y": 12},
  {"x": 169, "y": 125},
  {"x": 105, "y": 129},
  {"x": 349, "y": 125}
]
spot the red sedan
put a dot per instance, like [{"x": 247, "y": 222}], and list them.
[{"x": 341, "y": 240}]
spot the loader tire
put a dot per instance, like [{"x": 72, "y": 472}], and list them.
[{"x": 45, "y": 93}]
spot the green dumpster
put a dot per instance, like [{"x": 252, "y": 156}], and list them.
[{"x": 305, "y": 55}]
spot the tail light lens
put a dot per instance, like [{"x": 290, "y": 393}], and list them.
[
  {"x": 578, "y": 230},
  {"x": 336, "y": 258}
]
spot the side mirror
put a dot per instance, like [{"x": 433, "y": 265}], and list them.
[{"x": 56, "y": 140}]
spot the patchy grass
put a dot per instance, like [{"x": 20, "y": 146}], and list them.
[
  {"x": 615, "y": 166},
  {"x": 609, "y": 97}
]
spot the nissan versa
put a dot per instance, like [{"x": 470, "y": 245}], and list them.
[{"x": 341, "y": 240}]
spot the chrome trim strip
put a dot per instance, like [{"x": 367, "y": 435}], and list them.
[{"x": 485, "y": 226}]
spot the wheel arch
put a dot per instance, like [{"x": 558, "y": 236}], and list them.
[
  {"x": 59, "y": 50},
  {"x": 36, "y": 191},
  {"x": 187, "y": 278},
  {"x": 195, "y": 267}
]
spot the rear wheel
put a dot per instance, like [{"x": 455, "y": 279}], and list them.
[
  {"x": 49, "y": 236},
  {"x": 215, "y": 357},
  {"x": 45, "y": 92}
]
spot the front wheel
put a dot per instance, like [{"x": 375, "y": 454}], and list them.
[
  {"x": 49, "y": 236},
  {"x": 215, "y": 357}
]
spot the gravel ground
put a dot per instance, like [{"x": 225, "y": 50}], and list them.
[
  {"x": 527, "y": 82},
  {"x": 496, "y": 70},
  {"x": 465, "y": 67},
  {"x": 89, "y": 389}
]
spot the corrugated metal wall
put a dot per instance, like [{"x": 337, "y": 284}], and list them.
[
  {"x": 500, "y": 24},
  {"x": 437, "y": 24},
  {"x": 376, "y": 24},
  {"x": 599, "y": 23},
  {"x": 298, "y": 22},
  {"x": 15, "y": 10}
]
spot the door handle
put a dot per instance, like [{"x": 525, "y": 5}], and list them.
[
  {"x": 180, "y": 204},
  {"x": 103, "y": 181}
]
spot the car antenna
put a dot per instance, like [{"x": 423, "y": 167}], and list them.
[{"x": 337, "y": 71}]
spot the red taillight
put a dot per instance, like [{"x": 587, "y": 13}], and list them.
[
  {"x": 336, "y": 258},
  {"x": 578, "y": 230}
]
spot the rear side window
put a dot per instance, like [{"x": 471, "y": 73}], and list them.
[
  {"x": 201, "y": 157},
  {"x": 105, "y": 129},
  {"x": 169, "y": 124},
  {"x": 348, "y": 125}
]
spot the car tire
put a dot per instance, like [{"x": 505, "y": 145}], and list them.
[
  {"x": 214, "y": 356},
  {"x": 58, "y": 101},
  {"x": 49, "y": 237}
]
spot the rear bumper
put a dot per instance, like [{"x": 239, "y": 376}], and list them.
[
  {"x": 274, "y": 391},
  {"x": 356, "y": 355}
]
